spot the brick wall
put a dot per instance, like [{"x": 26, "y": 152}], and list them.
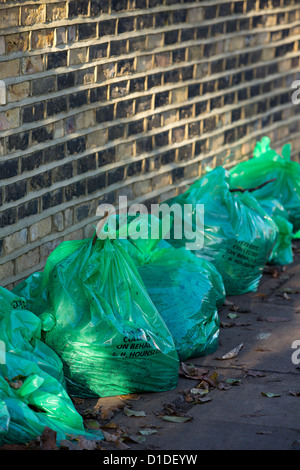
[{"x": 131, "y": 97}]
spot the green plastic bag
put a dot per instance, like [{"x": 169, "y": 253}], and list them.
[
  {"x": 185, "y": 289},
  {"x": 108, "y": 333},
  {"x": 282, "y": 252},
  {"x": 238, "y": 234},
  {"x": 265, "y": 166},
  {"x": 32, "y": 386}
]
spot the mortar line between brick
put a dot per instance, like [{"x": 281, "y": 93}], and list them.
[
  {"x": 151, "y": 92},
  {"x": 171, "y": 47},
  {"x": 153, "y": 132},
  {"x": 152, "y": 194},
  {"x": 160, "y": 9}
]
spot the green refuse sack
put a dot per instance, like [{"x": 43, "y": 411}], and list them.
[
  {"x": 186, "y": 290},
  {"x": 32, "y": 386},
  {"x": 107, "y": 331},
  {"x": 238, "y": 235},
  {"x": 278, "y": 176},
  {"x": 282, "y": 253}
]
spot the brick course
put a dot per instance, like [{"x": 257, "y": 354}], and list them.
[{"x": 135, "y": 97}]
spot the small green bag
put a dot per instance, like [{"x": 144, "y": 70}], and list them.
[
  {"x": 185, "y": 289},
  {"x": 265, "y": 166},
  {"x": 239, "y": 236}
]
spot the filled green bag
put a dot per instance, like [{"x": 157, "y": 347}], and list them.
[
  {"x": 265, "y": 166},
  {"x": 185, "y": 289},
  {"x": 32, "y": 386},
  {"x": 238, "y": 235},
  {"x": 107, "y": 331},
  {"x": 282, "y": 252}
]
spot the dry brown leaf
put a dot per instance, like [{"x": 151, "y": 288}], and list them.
[
  {"x": 192, "y": 372},
  {"x": 233, "y": 353}
]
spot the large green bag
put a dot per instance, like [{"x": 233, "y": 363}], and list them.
[
  {"x": 238, "y": 234},
  {"x": 265, "y": 166},
  {"x": 107, "y": 331},
  {"x": 282, "y": 252},
  {"x": 32, "y": 386},
  {"x": 185, "y": 289}
]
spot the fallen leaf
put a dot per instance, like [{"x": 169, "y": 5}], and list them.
[
  {"x": 289, "y": 290},
  {"x": 270, "y": 394},
  {"x": 232, "y": 315},
  {"x": 137, "y": 439},
  {"x": 86, "y": 444},
  {"x": 192, "y": 372},
  {"x": 198, "y": 391},
  {"x": 234, "y": 308},
  {"x": 233, "y": 353},
  {"x": 91, "y": 424},
  {"x": 121, "y": 446},
  {"x": 223, "y": 386},
  {"x": 294, "y": 394},
  {"x": 147, "y": 431},
  {"x": 233, "y": 381},
  {"x": 110, "y": 437},
  {"x": 129, "y": 412},
  {"x": 177, "y": 419}
]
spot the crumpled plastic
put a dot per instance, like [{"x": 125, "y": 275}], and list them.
[
  {"x": 279, "y": 175},
  {"x": 107, "y": 331},
  {"x": 186, "y": 290},
  {"x": 32, "y": 386},
  {"x": 239, "y": 235}
]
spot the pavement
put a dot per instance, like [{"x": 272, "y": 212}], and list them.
[{"x": 247, "y": 402}]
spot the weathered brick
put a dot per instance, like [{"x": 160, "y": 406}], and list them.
[
  {"x": 56, "y": 11},
  {"x": 86, "y": 31},
  {"x": 18, "y": 141},
  {"x": 78, "y": 56},
  {"x": 9, "y": 119},
  {"x": 18, "y": 91},
  {"x": 96, "y": 139},
  {"x": 40, "y": 229},
  {"x": 56, "y": 59},
  {"x": 17, "y": 42},
  {"x": 42, "y": 39},
  {"x": 33, "y": 14},
  {"x": 9, "y": 17},
  {"x": 6, "y": 270},
  {"x": 33, "y": 64},
  {"x": 15, "y": 241},
  {"x": 28, "y": 260},
  {"x": 47, "y": 248}
]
